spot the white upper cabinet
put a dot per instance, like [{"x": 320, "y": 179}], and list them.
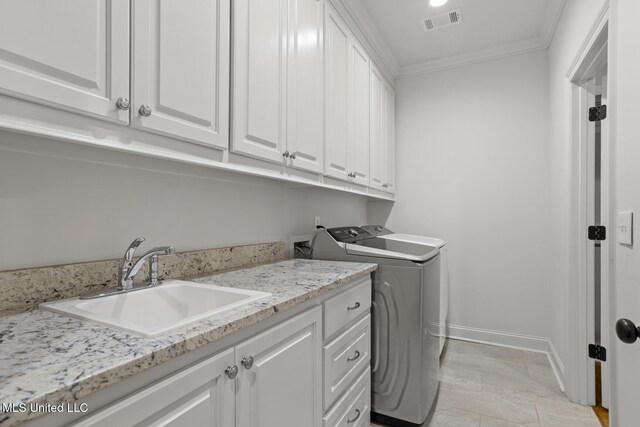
[
  {"x": 346, "y": 103},
  {"x": 181, "y": 69},
  {"x": 378, "y": 128},
  {"x": 358, "y": 114},
  {"x": 389, "y": 181},
  {"x": 72, "y": 55},
  {"x": 305, "y": 105},
  {"x": 382, "y": 133},
  {"x": 279, "y": 381},
  {"x": 260, "y": 63},
  {"x": 337, "y": 46},
  {"x": 278, "y": 78}
]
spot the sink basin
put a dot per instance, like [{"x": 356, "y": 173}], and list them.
[{"x": 153, "y": 311}]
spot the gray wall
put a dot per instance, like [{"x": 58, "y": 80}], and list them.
[{"x": 62, "y": 203}]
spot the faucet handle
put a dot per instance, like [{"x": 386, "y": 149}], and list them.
[{"x": 128, "y": 255}]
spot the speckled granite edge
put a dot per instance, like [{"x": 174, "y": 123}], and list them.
[
  {"x": 37, "y": 345},
  {"x": 22, "y": 290}
]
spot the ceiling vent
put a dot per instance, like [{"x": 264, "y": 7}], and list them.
[{"x": 442, "y": 20}]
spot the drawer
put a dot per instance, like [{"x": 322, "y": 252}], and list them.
[
  {"x": 344, "y": 358},
  {"x": 353, "y": 410},
  {"x": 342, "y": 309}
]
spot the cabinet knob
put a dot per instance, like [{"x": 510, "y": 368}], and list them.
[
  {"x": 145, "y": 110},
  {"x": 122, "y": 103},
  {"x": 354, "y": 306},
  {"x": 285, "y": 154},
  {"x": 247, "y": 362},
  {"x": 352, "y": 175},
  {"x": 231, "y": 371},
  {"x": 292, "y": 156},
  {"x": 354, "y": 419},
  {"x": 385, "y": 185}
]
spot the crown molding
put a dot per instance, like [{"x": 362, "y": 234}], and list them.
[
  {"x": 360, "y": 22},
  {"x": 512, "y": 49},
  {"x": 552, "y": 19},
  {"x": 541, "y": 42}
]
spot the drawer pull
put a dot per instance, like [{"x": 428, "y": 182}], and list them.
[
  {"x": 354, "y": 419},
  {"x": 355, "y": 357},
  {"x": 354, "y": 306}
]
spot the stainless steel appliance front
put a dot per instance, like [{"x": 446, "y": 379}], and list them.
[{"x": 405, "y": 313}]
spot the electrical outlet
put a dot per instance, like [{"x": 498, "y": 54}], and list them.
[{"x": 317, "y": 221}]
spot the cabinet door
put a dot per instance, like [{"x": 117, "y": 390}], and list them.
[
  {"x": 181, "y": 68},
  {"x": 337, "y": 50},
  {"x": 390, "y": 142},
  {"x": 69, "y": 54},
  {"x": 283, "y": 387},
  {"x": 201, "y": 395},
  {"x": 259, "y": 88},
  {"x": 359, "y": 114},
  {"x": 305, "y": 140},
  {"x": 378, "y": 129}
]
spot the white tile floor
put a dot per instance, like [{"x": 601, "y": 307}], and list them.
[{"x": 488, "y": 386}]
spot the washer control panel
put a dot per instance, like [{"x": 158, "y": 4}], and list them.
[{"x": 349, "y": 234}]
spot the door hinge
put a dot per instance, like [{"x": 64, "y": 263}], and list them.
[
  {"x": 597, "y": 352},
  {"x": 597, "y": 113},
  {"x": 597, "y": 232}
]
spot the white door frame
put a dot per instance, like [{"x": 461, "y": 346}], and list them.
[{"x": 590, "y": 59}]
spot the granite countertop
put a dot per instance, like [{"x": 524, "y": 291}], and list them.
[{"x": 51, "y": 358}]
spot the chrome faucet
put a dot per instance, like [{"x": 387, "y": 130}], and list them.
[{"x": 128, "y": 269}]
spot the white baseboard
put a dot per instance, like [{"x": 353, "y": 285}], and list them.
[
  {"x": 556, "y": 365},
  {"x": 506, "y": 339}
]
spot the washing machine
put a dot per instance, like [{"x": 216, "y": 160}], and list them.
[
  {"x": 382, "y": 232},
  {"x": 405, "y": 319}
]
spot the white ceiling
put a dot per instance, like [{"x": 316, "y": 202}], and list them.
[{"x": 489, "y": 28}]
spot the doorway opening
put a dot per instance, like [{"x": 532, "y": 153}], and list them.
[{"x": 589, "y": 328}]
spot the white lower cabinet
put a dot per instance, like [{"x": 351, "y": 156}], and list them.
[
  {"x": 354, "y": 409},
  {"x": 347, "y": 357},
  {"x": 344, "y": 358},
  {"x": 285, "y": 376},
  {"x": 280, "y": 381},
  {"x": 201, "y": 395}
]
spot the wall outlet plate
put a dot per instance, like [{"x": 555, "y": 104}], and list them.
[{"x": 625, "y": 228}]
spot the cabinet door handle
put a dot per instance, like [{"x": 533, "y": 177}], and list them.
[
  {"x": 231, "y": 371},
  {"x": 356, "y": 356},
  {"x": 247, "y": 362},
  {"x": 354, "y": 306},
  {"x": 144, "y": 110},
  {"x": 123, "y": 103},
  {"x": 354, "y": 419}
]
